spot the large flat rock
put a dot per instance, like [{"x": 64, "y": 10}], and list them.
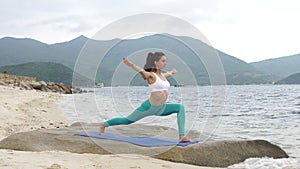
[{"x": 208, "y": 152}]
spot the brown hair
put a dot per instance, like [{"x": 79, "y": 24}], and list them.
[{"x": 150, "y": 62}]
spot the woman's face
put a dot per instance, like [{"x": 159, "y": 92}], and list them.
[{"x": 161, "y": 63}]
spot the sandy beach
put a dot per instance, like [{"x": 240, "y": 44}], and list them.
[{"x": 27, "y": 110}]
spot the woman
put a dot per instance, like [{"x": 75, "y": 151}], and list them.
[{"x": 156, "y": 104}]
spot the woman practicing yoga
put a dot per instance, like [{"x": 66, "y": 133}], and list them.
[{"x": 156, "y": 104}]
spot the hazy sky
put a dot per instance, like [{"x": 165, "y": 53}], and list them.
[{"x": 251, "y": 30}]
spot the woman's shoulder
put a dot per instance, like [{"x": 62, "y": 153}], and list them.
[
  {"x": 151, "y": 78},
  {"x": 147, "y": 75}
]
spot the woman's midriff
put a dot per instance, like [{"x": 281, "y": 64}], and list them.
[{"x": 158, "y": 98}]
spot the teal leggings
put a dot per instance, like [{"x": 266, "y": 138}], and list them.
[{"x": 146, "y": 109}]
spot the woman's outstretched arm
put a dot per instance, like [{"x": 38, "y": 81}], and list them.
[
  {"x": 146, "y": 75},
  {"x": 170, "y": 73},
  {"x": 133, "y": 66}
]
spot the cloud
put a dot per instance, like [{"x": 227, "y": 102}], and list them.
[
  {"x": 231, "y": 26},
  {"x": 72, "y": 23},
  {"x": 79, "y": 16}
]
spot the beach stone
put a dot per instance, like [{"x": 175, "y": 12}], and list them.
[
  {"x": 3, "y": 83},
  {"x": 66, "y": 89},
  {"x": 30, "y": 83},
  {"x": 36, "y": 85},
  {"x": 54, "y": 88},
  {"x": 45, "y": 89},
  {"x": 208, "y": 152},
  {"x": 25, "y": 85}
]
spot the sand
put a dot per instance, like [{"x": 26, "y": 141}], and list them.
[{"x": 27, "y": 110}]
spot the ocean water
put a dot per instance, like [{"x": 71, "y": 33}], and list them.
[{"x": 269, "y": 112}]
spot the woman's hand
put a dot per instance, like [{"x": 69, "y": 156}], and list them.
[
  {"x": 173, "y": 71},
  {"x": 133, "y": 66},
  {"x": 127, "y": 62},
  {"x": 170, "y": 73}
]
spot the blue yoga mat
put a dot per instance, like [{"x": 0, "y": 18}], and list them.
[{"x": 138, "y": 140}]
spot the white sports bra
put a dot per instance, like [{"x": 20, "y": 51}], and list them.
[{"x": 159, "y": 84}]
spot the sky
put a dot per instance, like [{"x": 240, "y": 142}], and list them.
[{"x": 251, "y": 30}]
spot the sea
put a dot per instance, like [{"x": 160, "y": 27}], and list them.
[{"x": 231, "y": 112}]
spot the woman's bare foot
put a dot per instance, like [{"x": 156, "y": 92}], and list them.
[
  {"x": 102, "y": 128},
  {"x": 184, "y": 139}
]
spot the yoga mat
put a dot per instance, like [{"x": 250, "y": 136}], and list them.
[{"x": 137, "y": 140}]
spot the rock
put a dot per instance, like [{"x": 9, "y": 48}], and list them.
[
  {"x": 54, "y": 88},
  {"x": 36, "y": 85},
  {"x": 3, "y": 83},
  {"x": 30, "y": 83},
  {"x": 65, "y": 88},
  {"x": 59, "y": 88},
  {"x": 44, "y": 88},
  {"x": 43, "y": 83},
  {"x": 77, "y": 90},
  {"x": 25, "y": 85},
  {"x": 209, "y": 153}
]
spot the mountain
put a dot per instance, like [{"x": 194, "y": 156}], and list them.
[
  {"x": 292, "y": 79},
  {"x": 17, "y": 51},
  {"x": 45, "y": 71},
  {"x": 283, "y": 66},
  {"x": 181, "y": 50},
  {"x": 86, "y": 54}
]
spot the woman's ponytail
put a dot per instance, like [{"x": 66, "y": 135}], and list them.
[{"x": 150, "y": 61}]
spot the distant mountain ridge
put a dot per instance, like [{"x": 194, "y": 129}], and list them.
[
  {"x": 283, "y": 66},
  {"x": 15, "y": 51},
  {"x": 292, "y": 79}
]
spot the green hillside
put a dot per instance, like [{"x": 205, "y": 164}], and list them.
[
  {"x": 292, "y": 79},
  {"x": 43, "y": 71}
]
